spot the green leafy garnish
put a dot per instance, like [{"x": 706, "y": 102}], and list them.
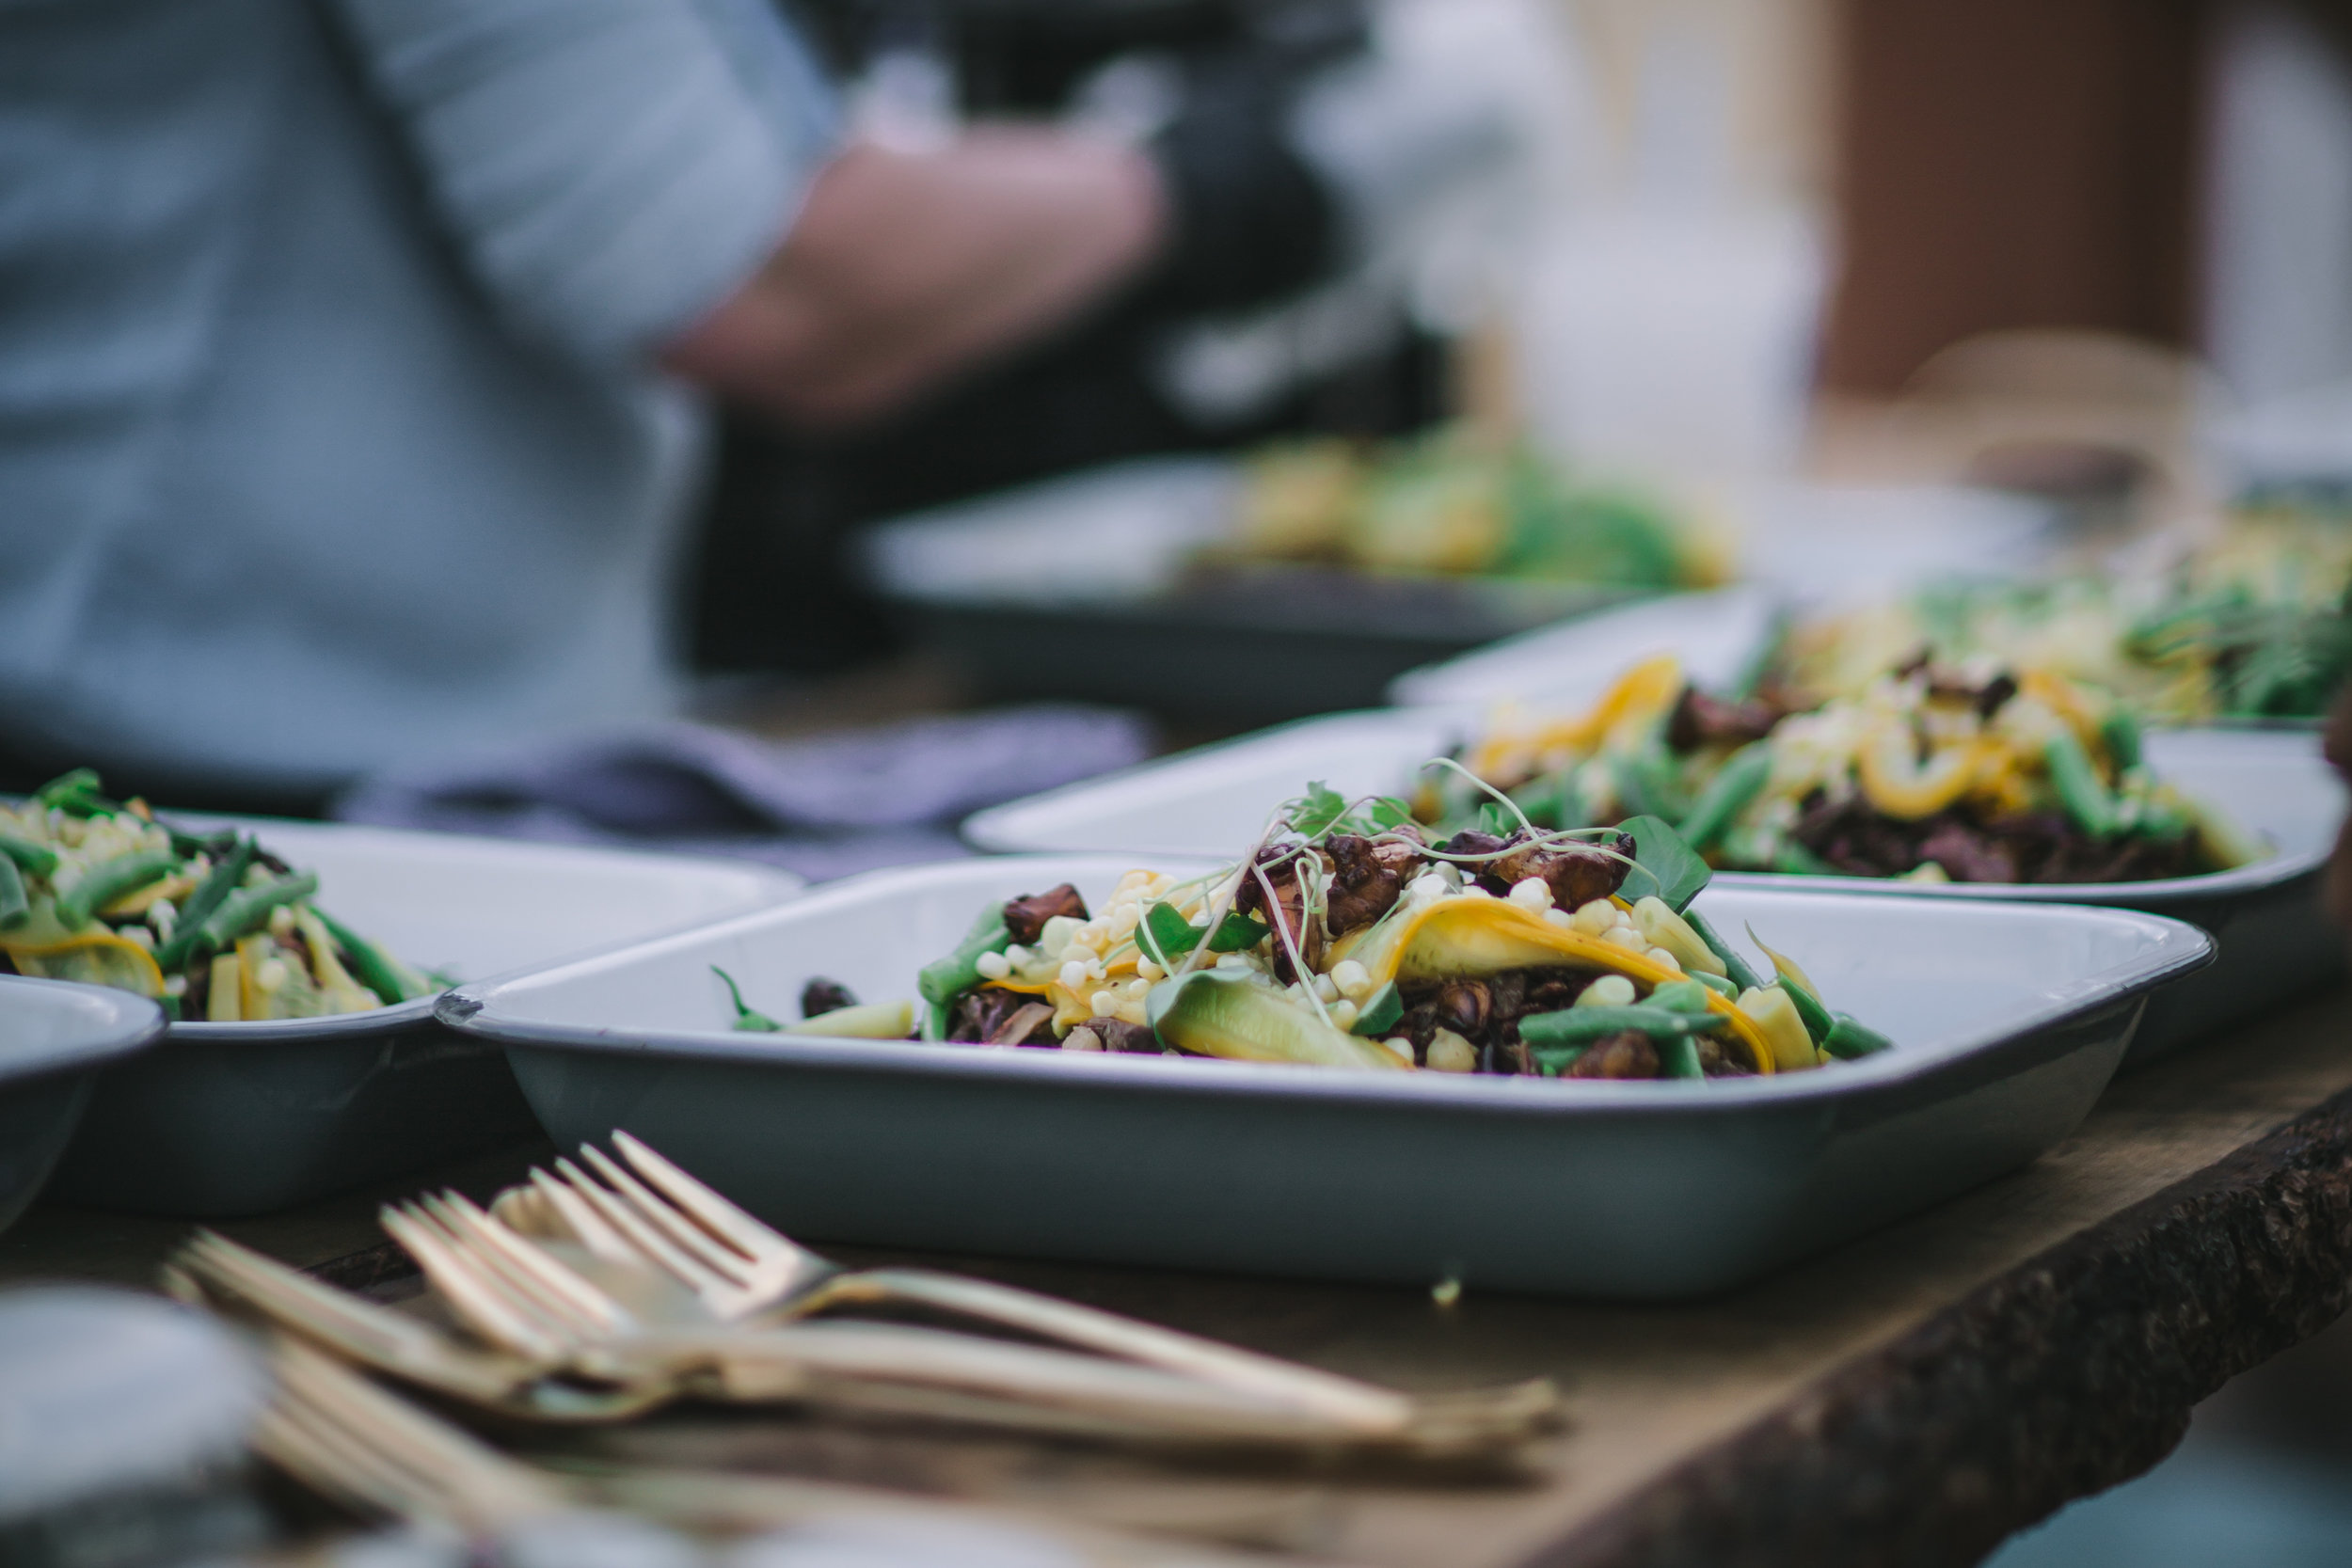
[
  {"x": 1380, "y": 1012},
  {"x": 1663, "y": 857},
  {"x": 1165, "y": 935},
  {"x": 1324, "y": 810}
]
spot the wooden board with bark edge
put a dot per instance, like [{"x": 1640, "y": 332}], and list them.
[{"x": 1909, "y": 1399}]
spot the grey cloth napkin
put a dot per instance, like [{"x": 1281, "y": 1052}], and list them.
[{"x": 823, "y": 807}]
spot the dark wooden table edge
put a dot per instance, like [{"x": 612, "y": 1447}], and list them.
[{"x": 2070, "y": 1374}]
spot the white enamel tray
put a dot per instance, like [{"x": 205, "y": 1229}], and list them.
[
  {"x": 238, "y": 1118},
  {"x": 2275, "y": 943},
  {"x": 2009, "y": 1021}
]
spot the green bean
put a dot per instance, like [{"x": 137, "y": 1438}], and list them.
[
  {"x": 1850, "y": 1040},
  {"x": 222, "y": 880},
  {"x": 1743, "y": 976},
  {"x": 934, "y": 1021},
  {"x": 2119, "y": 733},
  {"x": 75, "y": 793},
  {"x": 1740, "y": 780},
  {"x": 1766, "y": 654},
  {"x": 2079, "y": 789},
  {"x": 14, "y": 905},
  {"x": 1551, "y": 1061},
  {"x": 247, "y": 908},
  {"x": 1818, "y": 1023},
  {"x": 1795, "y": 860},
  {"x": 1682, "y": 996},
  {"x": 943, "y": 980},
  {"x": 1678, "y": 1057},
  {"x": 1647, "y": 786},
  {"x": 28, "y": 857},
  {"x": 189, "y": 846},
  {"x": 108, "y": 881},
  {"x": 1716, "y": 983},
  {"x": 747, "y": 1018},
  {"x": 1380, "y": 1011},
  {"x": 392, "y": 981},
  {"x": 1584, "y": 1024}
]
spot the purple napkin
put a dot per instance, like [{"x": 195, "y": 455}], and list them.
[{"x": 823, "y": 807}]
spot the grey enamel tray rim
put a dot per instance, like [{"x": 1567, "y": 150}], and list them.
[
  {"x": 2178, "y": 949},
  {"x": 121, "y": 1025},
  {"x": 982, "y": 828},
  {"x": 405, "y": 1015}
]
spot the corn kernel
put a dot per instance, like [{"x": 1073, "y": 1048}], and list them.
[
  {"x": 1352, "y": 979},
  {"x": 1450, "y": 1053},
  {"x": 1595, "y": 918},
  {"x": 1531, "y": 892},
  {"x": 993, "y": 966},
  {"x": 1610, "y": 991}
]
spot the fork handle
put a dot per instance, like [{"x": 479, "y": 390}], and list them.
[
  {"x": 899, "y": 1367},
  {"x": 1360, "y": 1406}
]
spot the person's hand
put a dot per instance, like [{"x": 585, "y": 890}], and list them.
[{"x": 903, "y": 269}]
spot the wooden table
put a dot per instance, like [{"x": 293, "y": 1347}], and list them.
[{"x": 1909, "y": 1398}]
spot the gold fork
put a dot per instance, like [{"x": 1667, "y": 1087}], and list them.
[
  {"x": 518, "y": 1296},
  {"x": 222, "y": 1275},
  {"x": 363, "y": 1446},
  {"x": 344, "y": 1436},
  {"x": 659, "y": 1217}
]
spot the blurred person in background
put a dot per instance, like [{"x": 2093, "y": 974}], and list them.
[
  {"x": 1323, "y": 159},
  {"x": 350, "y": 351}
]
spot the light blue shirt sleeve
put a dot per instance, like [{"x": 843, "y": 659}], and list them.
[{"x": 609, "y": 171}]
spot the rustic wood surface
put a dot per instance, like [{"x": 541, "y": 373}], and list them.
[{"x": 1909, "y": 1399}]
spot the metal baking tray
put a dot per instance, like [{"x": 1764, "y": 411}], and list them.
[
  {"x": 242, "y": 1118},
  {"x": 2275, "y": 943},
  {"x": 2009, "y": 1019},
  {"x": 55, "y": 1037},
  {"x": 1090, "y": 587}
]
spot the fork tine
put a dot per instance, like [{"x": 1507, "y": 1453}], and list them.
[
  {"x": 522, "y": 1289},
  {"x": 359, "y": 1327},
  {"x": 594, "y": 1233},
  {"x": 711, "y": 1209},
  {"x": 649, "y": 1242},
  {"x": 485, "y": 1308},
  {"x": 680, "y": 1228},
  {"x": 373, "y": 1437},
  {"x": 545, "y": 1271},
  {"x": 329, "y": 1463}
]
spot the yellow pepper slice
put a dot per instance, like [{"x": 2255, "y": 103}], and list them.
[
  {"x": 1457, "y": 936},
  {"x": 1621, "y": 718},
  {"x": 95, "y": 957},
  {"x": 1907, "y": 792}
]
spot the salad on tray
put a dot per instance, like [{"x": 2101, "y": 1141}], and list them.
[
  {"x": 1349, "y": 938},
  {"x": 1973, "y": 773},
  {"x": 2256, "y": 624},
  {"x": 213, "y": 927}
]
